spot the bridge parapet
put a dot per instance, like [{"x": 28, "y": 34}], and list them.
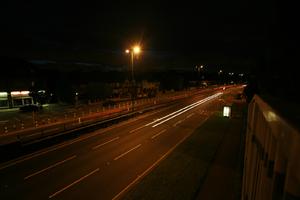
[{"x": 272, "y": 155}]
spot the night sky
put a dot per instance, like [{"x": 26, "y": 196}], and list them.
[{"x": 211, "y": 31}]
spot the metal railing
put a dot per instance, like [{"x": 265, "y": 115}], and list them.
[
  {"x": 272, "y": 155},
  {"x": 46, "y": 126}
]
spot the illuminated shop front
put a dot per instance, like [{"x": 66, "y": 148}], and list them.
[
  {"x": 16, "y": 99},
  {"x": 4, "y": 100}
]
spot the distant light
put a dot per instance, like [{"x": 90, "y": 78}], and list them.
[
  {"x": 14, "y": 93},
  {"x": 241, "y": 74},
  {"x": 41, "y": 91},
  {"x": 76, "y": 93},
  {"x": 226, "y": 111},
  {"x": 24, "y": 92},
  {"x": 136, "y": 49},
  {"x": 201, "y": 66},
  {"x": 127, "y": 51},
  {"x": 3, "y": 94}
]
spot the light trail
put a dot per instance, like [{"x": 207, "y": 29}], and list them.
[{"x": 182, "y": 110}]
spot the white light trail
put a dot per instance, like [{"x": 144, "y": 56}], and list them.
[{"x": 182, "y": 110}]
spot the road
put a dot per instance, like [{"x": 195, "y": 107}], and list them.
[
  {"x": 105, "y": 163},
  {"x": 12, "y": 120}
]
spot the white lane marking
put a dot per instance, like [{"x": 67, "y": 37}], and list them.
[
  {"x": 75, "y": 182},
  {"x": 187, "y": 109},
  {"x": 154, "y": 136},
  {"x": 134, "y": 130},
  {"x": 139, "y": 177},
  {"x": 33, "y": 155},
  {"x": 123, "y": 154},
  {"x": 59, "y": 146},
  {"x": 190, "y": 115},
  {"x": 177, "y": 123},
  {"x": 50, "y": 167},
  {"x": 100, "y": 145}
]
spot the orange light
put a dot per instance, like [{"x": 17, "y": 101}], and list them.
[
  {"x": 136, "y": 49},
  {"x": 16, "y": 93}
]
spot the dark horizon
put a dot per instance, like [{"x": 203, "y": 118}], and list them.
[
  {"x": 61, "y": 31},
  {"x": 255, "y": 37}
]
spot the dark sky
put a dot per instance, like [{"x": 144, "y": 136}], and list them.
[{"x": 232, "y": 29}]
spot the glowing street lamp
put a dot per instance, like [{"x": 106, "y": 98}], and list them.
[{"x": 135, "y": 50}]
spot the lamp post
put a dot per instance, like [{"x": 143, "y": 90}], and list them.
[
  {"x": 135, "y": 50},
  {"x": 220, "y": 75}
]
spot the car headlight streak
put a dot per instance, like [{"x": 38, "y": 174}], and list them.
[{"x": 166, "y": 118}]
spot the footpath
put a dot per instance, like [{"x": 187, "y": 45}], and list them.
[{"x": 207, "y": 165}]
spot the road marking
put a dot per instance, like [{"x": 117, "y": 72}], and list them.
[
  {"x": 139, "y": 177},
  {"x": 59, "y": 146},
  {"x": 75, "y": 182},
  {"x": 68, "y": 143},
  {"x": 177, "y": 123},
  {"x": 154, "y": 136},
  {"x": 190, "y": 115},
  {"x": 50, "y": 167},
  {"x": 134, "y": 130},
  {"x": 123, "y": 154},
  {"x": 100, "y": 145}
]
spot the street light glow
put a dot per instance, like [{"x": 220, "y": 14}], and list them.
[
  {"x": 136, "y": 49},
  {"x": 133, "y": 51}
]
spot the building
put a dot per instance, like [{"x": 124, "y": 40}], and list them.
[{"x": 15, "y": 99}]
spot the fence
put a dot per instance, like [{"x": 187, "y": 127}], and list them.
[
  {"x": 272, "y": 155},
  {"x": 40, "y": 126},
  {"x": 36, "y": 120}
]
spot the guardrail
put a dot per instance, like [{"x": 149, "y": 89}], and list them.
[
  {"x": 36, "y": 119},
  {"x": 272, "y": 155},
  {"x": 75, "y": 121},
  {"x": 43, "y": 128}
]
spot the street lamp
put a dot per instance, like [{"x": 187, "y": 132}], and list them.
[
  {"x": 135, "y": 50},
  {"x": 219, "y": 74}
]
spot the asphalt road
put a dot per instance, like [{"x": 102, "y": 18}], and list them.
[{"x": 103, "y": 164}]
